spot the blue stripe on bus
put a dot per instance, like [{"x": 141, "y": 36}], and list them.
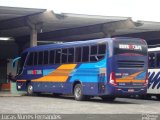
[
  {"x": 87, "y": 72},
  {"x": 47, "y": 71}
]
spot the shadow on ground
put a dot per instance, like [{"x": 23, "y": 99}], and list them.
[{"x": 94, "y": 99}]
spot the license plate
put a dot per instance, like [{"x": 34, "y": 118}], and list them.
[{"x": 130, "y": 90}]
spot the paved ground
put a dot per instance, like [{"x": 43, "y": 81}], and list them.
[
  {"x": 67, "y": 105},
  {"x": 9, "y": 94}
]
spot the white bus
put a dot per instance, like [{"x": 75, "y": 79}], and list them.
[{"x": 154, "y": 72}]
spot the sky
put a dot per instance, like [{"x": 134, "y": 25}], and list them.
[{"x": 147, "y": 10}]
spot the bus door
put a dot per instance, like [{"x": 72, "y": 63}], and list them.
[
  {"x": 102, "y": 54},
  {"x": 101, "y": 82}
]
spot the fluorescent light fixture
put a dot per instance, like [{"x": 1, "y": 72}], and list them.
[{"x": 5, "y": 38}]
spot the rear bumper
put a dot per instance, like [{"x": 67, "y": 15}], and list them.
[
  {"x": 121, "y": 91},
  {"x": 108, "y": 89}
]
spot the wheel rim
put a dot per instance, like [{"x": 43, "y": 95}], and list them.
[
  {"x": 30, "y": 89},
  {"x": 78, "y": 92}
]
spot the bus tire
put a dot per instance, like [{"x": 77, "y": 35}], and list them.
[
  {"x": 30, "y": 90},
  {"x": 108, "y": 98},
  {"x": 78, "y": 93}
]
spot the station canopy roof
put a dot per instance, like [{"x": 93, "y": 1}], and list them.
[{"x": 14, "y": 22}]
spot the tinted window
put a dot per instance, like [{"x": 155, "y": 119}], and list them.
[
  {"x": 64, "y": 55},
  {"x": 40, "y": 58},
  {"x": 35, "y": 58},
  {"x": 70, "y": 55},
  {"x": 58, "y": 56},
  {"x": 78, "y": 54},
  {"x": 52, "y": 57},
  {"x": 97, "y": 52},
  {"x": 94, "y": 49},
  {"x": 85, "y": 54},
  {"x": 21, "y": 63},
  {"x": 30, "y": 59},
  {"x": 158, "y": 60},
  {"x": 151, "y": 60},
  {"x": 101, "y": 49},
  {"x": 45, "y": 57}
]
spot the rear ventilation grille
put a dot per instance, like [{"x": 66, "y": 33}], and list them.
[{"x": 130, "y": 64}]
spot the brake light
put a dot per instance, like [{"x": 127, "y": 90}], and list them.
[{"x": 112, "y": 79}]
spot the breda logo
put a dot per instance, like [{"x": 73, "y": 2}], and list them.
[{"x": 130, "y": 47}]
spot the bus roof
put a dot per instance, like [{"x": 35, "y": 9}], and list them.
[{"x": 71, "y": 44}]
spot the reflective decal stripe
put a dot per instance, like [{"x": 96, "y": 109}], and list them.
[
  {"x": 61, "y": 74},
  {"x": 130, "y": 78}
]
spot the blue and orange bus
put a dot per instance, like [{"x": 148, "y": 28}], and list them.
[{"x": 107, "y": 68}]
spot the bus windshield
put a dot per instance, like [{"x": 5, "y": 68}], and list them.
[
  {"x": 21, "y": 62},
  {"x": 130, "y": 47}
]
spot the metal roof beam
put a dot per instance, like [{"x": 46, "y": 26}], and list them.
[
  {"x": 111, "y": 27},
  {"x": 47, "y": 16}
]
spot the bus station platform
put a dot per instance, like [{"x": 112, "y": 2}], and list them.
[{"x": 9, "y": 94}]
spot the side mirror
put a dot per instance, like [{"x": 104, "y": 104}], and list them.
[{"x": 14, "y": 61}]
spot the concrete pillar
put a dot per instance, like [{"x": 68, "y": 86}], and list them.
[
  {"x": 33, "y": 36},
  {"x": 33, "y": 33}
]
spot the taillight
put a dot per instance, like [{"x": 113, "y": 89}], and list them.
[{"x": 112, "y": 79}]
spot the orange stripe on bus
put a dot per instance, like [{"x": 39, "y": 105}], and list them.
[
  {"x": 61, "y": 74},
  {"x": 130, "y": 78}
]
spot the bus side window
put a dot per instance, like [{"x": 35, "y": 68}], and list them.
[
  {"x": 151, "y": 60},
  {"x": 64, "y": 55},
  {"x": 101, "y": 49},
  {"x": 94, "y": 49},
  {"x": 85, "y": 55},
  {"x": 78, "y": 55},
  {"x": 45, "y": 57},
  {"x": 94, "y": 52},
  {"x": 30, "y": 59},
  {"x": 58, "y": 56},
  {"x": 52, "y": 57},
  {"x": 40, "y": 58},
  {"x": 35, "y": 58},
  {"x": 97, "y": 52},
  {"x": 158, "y": 60},
  {"x": 70, "y": 55}
]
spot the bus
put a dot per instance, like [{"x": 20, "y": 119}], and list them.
[
  {"x": 154, "y": 72},
  {"x": 107, "y": 68}
]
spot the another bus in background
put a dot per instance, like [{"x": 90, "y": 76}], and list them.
[
  {"x": 154, "y": 72},
  {"x": 107, "y": 68}
]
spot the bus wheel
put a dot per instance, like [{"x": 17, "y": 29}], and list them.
[
  {"x": 108, "y": 98},
  {"x": 78, "y": 93},
  {"x": 29, "y": 90}
]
